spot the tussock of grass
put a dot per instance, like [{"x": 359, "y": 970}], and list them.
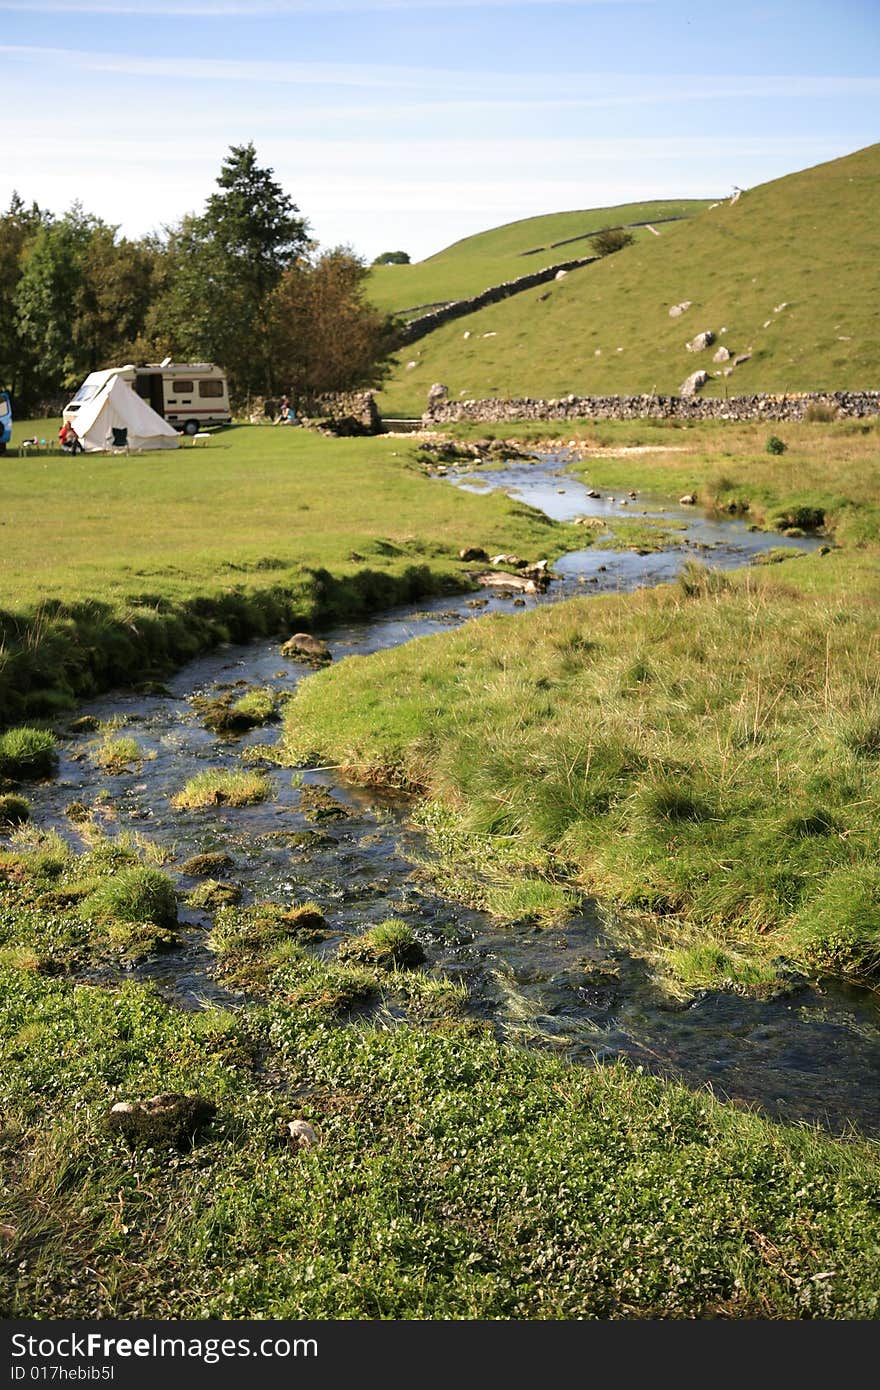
[
  {"x": 134, "y": 895},
  {"x": 27, "y": 753},
  {"x": 14, "y": 810},
  {"x": 389, "y": 945},
  {"x": 226, "y": 715},
  {"x": 223, "y": 788},
  {"x": 118, "y": 754}
]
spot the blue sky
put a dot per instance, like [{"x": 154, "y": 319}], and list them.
[{"x": 401, "y": 124}]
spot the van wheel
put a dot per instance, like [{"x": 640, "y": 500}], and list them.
[{"x": 191, "y": 427}]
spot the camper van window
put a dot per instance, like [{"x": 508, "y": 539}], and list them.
[
  {"x": 182, "y": 388},
  {"x": 210, "y": 388},
  {"x": 4, "y": 406}
]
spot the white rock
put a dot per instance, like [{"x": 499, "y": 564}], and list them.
[
  {"x": 691, "y": 385},
  {"x": 302, "y": 1135},
  {"x": 678, "y": 309}
]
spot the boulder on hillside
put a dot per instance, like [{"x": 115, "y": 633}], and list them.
[
  {"x": 438, "y": 394},
  {"x": 701, "y": 341},
  {"x": 691, "y": 385},
  {"x": 677, "y": 310},
  {"x": 722, "y": 355}
]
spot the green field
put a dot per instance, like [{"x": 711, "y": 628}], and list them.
[
  {"x": 109, "y": 563},
  {"x": 505, "y": 253},
  {"x": 809, "y": 242},
  {"x": 702, "y": 755}
]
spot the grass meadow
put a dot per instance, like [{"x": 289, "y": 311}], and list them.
[
  {"x": 787, "y": 277},
  {"x": 113, "y": 567},
  {"x": 703, "y": 756},
  {"x": 505, "y": 253}
]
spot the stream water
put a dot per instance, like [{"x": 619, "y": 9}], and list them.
[{"x": 813, "y": 1054}]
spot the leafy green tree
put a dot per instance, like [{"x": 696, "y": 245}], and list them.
[
  {"x": 324, "y": 334},
  {"x": 112, "y": 299},
  {"x": 46, "y": 300},
  {"x": 392, "y": 258},
  {"x": 18, "y": 228},
  {"x": 222, "y": 269}
]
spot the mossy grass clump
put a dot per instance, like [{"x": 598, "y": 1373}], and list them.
[
  {"x": 116, "y": 755},
  {"x": 390, "y": 945},
  {"x": 165, "y": 1120},
  {"x": 27, "y": 754},
  {"x": 226, "y": 715},
  {"x": 317, "y": 804},
  {"x": 134, "y": 941},
  {"x": 14, "y": 810},
  {"x": 136, "y": 894},
  {"x": 207, "y": 864},
  {"x": 212, "y": 894},
  {"x": 223, "y": 788},
  {"x": 254, "y": 931}
]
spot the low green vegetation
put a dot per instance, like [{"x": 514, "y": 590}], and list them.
[
  {"x": 452, "y": 1177},
  {"x": 27, "y": 753},
  {"x": 703, "y": 756},
  {"x": 754, "y": 272},
  {"x": 223, "y": 788},
  {"x": 61, "y": 911},
  {"x": 117, "y": 568},
  {"x": 118, "y": 754}
]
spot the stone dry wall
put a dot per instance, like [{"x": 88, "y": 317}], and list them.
[
  {"x": 458, "y": 308},
  {"x": 342, "y": 412},
  {"x": 848, "y": 404}
]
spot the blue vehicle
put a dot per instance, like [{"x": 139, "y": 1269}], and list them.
[{"x": 5, "y": 420}]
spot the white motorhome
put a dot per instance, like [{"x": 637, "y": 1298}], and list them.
[{"x": 189, "y": 395}]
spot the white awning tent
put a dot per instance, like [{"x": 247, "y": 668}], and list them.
[{"x": 117, "y": 406}]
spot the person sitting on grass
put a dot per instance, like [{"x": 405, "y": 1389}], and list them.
[
  {"x": 286, "y": 415},
  {"x": 69, "y": 439}
]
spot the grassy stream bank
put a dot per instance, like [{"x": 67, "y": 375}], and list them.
[{"x": 704, "y": 755}]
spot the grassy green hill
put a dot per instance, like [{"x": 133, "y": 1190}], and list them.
[
  {"x": 504, "y": 253},
  {"x": 790, "y": 274}
]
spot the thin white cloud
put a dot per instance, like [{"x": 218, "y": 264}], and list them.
[
  {"x": 593, "y": 89},
  {"x": 247, "y": 8}
]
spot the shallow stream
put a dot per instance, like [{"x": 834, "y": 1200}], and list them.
[{"x": 811, "y": 1055}]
